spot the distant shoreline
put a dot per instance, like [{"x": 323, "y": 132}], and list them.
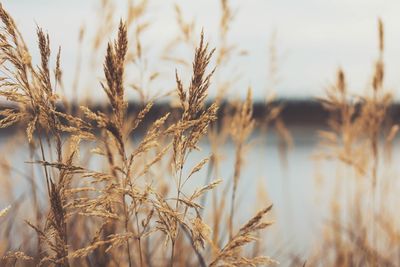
[{"x": 305, "y": 113}]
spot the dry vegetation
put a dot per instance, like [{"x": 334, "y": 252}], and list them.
[
  {"x": 117, "y": 211},
  {"x": 363, "y": 230},
  {"x": 103, "y": 193}
]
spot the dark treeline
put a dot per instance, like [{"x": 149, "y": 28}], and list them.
[{"x": 306, "y": 113}]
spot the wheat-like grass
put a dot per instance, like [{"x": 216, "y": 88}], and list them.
[
  {"x": 108, "y": 188},
  {"x": 123, "y": 215}
]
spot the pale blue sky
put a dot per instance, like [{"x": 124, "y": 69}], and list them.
[{"x": 314, "y": 37}]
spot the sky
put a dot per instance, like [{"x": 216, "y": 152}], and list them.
[{"x": 312, "y": 39}]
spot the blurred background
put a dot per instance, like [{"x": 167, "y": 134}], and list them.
[
  {"x": 287, "y": 51},
  {"x": 311, "y": 38}
]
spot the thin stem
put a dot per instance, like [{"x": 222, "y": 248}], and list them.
[
  {"x": 171, "y": 261},
  {"x": 139, "y": 236},
  {"x": 235, "y": 182},
  {"x": 126, "y": 230},
  {"x": 176, "y": 207}
]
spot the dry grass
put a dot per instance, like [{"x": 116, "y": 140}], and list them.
[
  {"x": 360, "y": 139},
  {"x": 119, "y": 211},
  {"x": 111, "y": 188}
]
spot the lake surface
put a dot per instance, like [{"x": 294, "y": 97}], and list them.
[{"x": 294, "y": 188}]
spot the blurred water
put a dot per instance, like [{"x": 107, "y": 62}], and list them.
[
  {"x": 290, "y": 187},
  {"x": 294, "y": 186}
]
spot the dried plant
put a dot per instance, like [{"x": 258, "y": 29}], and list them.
[
  {"x": 242, "y": 126},
  {"x": 357, "y": 126},
  {"x": 111, "y": 187},
  {"x": 106, "y": 202}
]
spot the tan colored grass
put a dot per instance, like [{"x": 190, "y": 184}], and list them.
[
  {"x": 112, "y": 200},
  {"x": 359, "y": 138},
  {"x": 115, "y": 212}
]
